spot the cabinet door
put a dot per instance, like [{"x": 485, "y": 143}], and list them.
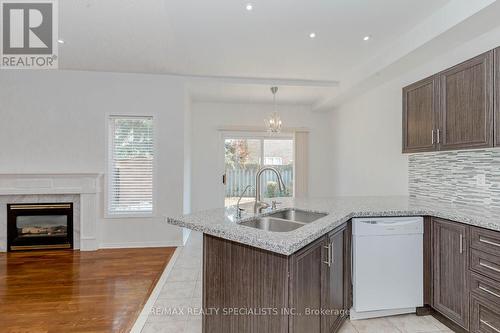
[
  {"x": 334, "y": 294},
  {"x": 497, "y": 97},
  {"x": 451, "y": 253},
  {"x": 305, "y": 287},
  {"x": 466, "y": 104},
  {"x": 485, "y": 316},
  {"x": 420, "y": 104}
]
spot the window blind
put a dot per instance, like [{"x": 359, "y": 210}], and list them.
[{"x": 131, "y": 157}]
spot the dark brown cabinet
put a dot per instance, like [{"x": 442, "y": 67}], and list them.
[
  {"x": 485, "y": 316},
  {"x": 465, "y": 275},
  {"x": 238, "y": 278},
  {"x": 420, "y": 105},
  {"x": 466, "y": 104},
  {"x": 306, "y": 271},
  {"x": 454, "y": 109},
  {"x": 485, "y": 240},
  {"x": 320, "y": 283},
  {"x": 308, "y": 291},
  {"x": 450, "y": 283},
  {"x": 484, "y": 269},
  {"x": 497, "y": 97},
  {"x": 335, "y": 291}
]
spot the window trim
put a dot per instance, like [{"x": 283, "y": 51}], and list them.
[{"x": 108, "y": 178}]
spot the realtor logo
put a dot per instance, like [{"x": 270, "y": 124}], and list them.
[{"x": 29, "y": 34}]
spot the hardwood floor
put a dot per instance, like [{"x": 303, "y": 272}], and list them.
[{"x": 73, "y": 291}]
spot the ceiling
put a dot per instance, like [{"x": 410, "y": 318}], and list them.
[{"x": 211, "y": 41}]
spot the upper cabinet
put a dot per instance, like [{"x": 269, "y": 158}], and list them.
[
  {"x": 466, "y": 104},
  {"x": 497, "y": 96},
  {"x": 420, "y": 102},
  {"x": 453, "y": 109}
]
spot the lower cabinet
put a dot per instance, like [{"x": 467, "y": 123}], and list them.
[
  {"x": 466, "y": 275},
  {"x": 306, "y": 269},
  {"x": 320, "y": 283},
  {"x": 450, "y": 258},
  {"x": 485, "y": 316},
  {"x": 308, "y": 291},
  {"x": 335, "y": 289}
]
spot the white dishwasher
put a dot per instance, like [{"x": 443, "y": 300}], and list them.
[{"x": 387, "y": 266}]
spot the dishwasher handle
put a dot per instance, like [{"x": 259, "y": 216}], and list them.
[
  {"x": 378, "y": 226},
  {"x": 389, "y": 223}
]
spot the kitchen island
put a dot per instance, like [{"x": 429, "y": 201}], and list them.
[{"x": 297, "y": 281}]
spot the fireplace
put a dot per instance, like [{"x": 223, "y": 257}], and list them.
[{"x": 39, "y": 226}]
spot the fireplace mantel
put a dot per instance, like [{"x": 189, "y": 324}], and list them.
[
  {"x": 87, "y": 186},
  {"x": 63, "y": 183}
]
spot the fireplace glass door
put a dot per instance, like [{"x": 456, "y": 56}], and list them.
[{"x": 40, "y": 226}]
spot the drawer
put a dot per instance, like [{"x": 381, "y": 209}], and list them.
[
  {"x": 485, "y": 288},
  {"x": 485, "y": 316},
  {"x": 485, "y": 240},
  {"x": 486, "y": 264}
]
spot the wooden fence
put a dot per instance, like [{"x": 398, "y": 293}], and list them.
[{"x": 238, "y": 179}]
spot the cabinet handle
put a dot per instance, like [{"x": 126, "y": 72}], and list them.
[
  {"x": 433, "y": 139},
  {"x": 489, "y": 266},
  {"x": 331, "y": 253},
  {"x": 328, "y": 255},
  {"x": 439, "y": 135},
  {"x": 486, "y": 290},
  {"x": 489, "y": 325},
  {"x": 461, "y": 243},
  {"x": 482, "y": 240}
]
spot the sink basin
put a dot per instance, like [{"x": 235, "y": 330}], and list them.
[
  {"x": 283, "y": 221},
  {"x": 272, "y": 224},
  {"x": 298, "y": 215}
]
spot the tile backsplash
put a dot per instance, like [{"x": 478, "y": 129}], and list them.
[{"x": 457, "y": 176}]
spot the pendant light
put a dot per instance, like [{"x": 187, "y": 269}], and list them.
[{"x": 274, "y": 123}]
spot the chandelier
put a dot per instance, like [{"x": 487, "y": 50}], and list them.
[{"x": 274, "y": 122}]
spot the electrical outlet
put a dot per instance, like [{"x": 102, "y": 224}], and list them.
[{"x": 481, "y": 179}]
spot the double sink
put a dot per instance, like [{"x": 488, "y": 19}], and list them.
[{"x": 283, "y": 221}]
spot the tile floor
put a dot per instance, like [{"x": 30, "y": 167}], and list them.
[
  {"x": 182, "y": 291},
  {"x": 181, "y": 294}
]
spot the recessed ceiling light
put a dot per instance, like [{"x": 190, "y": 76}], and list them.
[
  {"x": 367, "y": 38},
  {"x": 60, "y": 41},
  {"x": 249, "y": 7},
  {"x": 312, "y": 35}
]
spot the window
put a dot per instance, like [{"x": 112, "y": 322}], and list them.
[
  {"x": 243, "y": 158},
  {"x": 130, "y": 176}
]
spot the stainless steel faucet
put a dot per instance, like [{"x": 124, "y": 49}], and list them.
[
  {"x": 260, "y": 205},
  {"x": 238, "y": 209}
]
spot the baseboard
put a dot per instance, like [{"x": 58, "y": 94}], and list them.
[
  {"x": 381, "y": 313},
  {"x": 425, "y": 310},
  {"x": 448, "y": 323},
  {"x": 146, "y": 310},
  {"x": 339, "y": 323},
  {"x": 89, "y": 244},
  {"x": 132, "y": 245}
]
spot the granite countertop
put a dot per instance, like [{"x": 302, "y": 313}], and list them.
[{"x": 221, "y": 222}]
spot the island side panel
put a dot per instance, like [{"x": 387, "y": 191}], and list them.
[
  {"x": 237, "y": 276},
  {"x": 348, "y": 291}
]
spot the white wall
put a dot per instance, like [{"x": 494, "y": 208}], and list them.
[
  {"x": 55, "y": 122},
  {"x": 367, "y": 145},
  {"x": 367, "y": 131},
  {"x": 207, "y": 148}
]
